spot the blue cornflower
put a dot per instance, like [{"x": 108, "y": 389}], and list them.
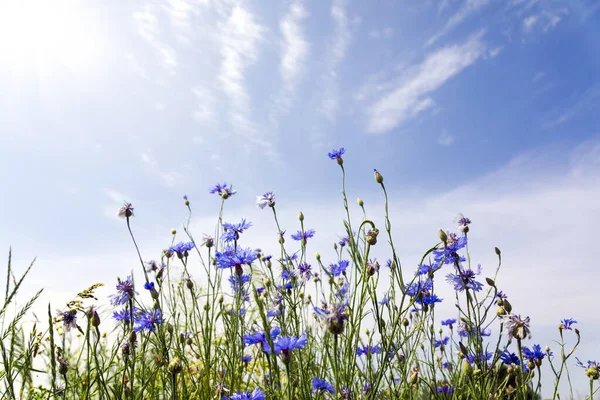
[
  {"x": 261, "y": 338},
  {"x": 566, "y": 324},
  {"x": 425, "y": 269},
  {"x": 510, "y": 358},
  {"x": 482, "y": 357},
  {"x": 339, "y": 268},
  {"x": 446, "y": 389},
  {"x": 418, "y": 288},
  {"x": 257, "y": 394},
  {"x": 336, "y": 154},
  {"x": 69, "y": 319},
  {"x": 516, "y": 327},
  {"x": 285, "y": 344},
  {"x": 305, "y": 271},
  {"x": 500, "y": 296},
  {"x": 448, "y": 253},
  {"x": 267, "y": 199},
  {"x": 246, "y": 359},
  {"x": 444, "y": 342},
  {"x": 535, "y": 355},
  {"x": 126, "y": 211},
  {"x": 232, "y": 231},
  {"x": 303, "y": 235},
  {"x": 149, "y": 285},
  {"x": 181, "y": 249},
  {"x": 148, "y": 320},
  {"x": 344, "y": 241},
  {"x": 465, "y": 280},
  {"x": 235, "y": 258},
  {"x": 123, "y": 315},
  {"x": 125, "y": 292},
  {"x": 237, "y": 284},
  {"x": 368, "y": 350},
  {"x": 222, "y": 190},
  {"x": 386, "y": 300},
  {"x": 449, "y": 322},
  {"x": 321, "y": 386},
  {"x": 592, "y": 369},
  {"x": 429, "y": 299}
]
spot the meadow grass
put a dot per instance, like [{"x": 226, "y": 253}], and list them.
[{"x": 242, "y": 324}]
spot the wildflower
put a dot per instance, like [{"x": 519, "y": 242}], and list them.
[
  {"x": 257, "y": 394},
  {"x": 298, "y": 236},
  {"x": 321, "y": 386},
  {"x": 465, "y": 280},
  {"x": 500, "y": 297},
  {"x": 463, "y": 223},
  {"x": 124, "y": 315},
  {"x": 334, "y": 317},
  {"x": 181, "y": 249},
  {"x": 592, "y": 370},
  {"x": 285, "y": 344},
  {"x": 232, "y": 231},
  {"x": 344, "y": 241},
  {"x": 535, "y": 355},
  {"x": 305, "y": 271},
  {"x": 378, "y": 176},
  {"x": 372, "y": 267},
  {"x": 151, "y": 266},
  {"x": 235, "y": 258},
  {"x": 371, "y": 237},
  {"x": 368, "y": 350},
  {"x": 126, "y": 211},
  {"x": 566, "y": 324},
  {"x": 339, "y": 268},
  {"x": 222, "y": 190},
  {"x": 261, "y": 338},
  {"x": 125, "y": 292},
  {"x": 69, "y": 319},
  {"x": 337, "y": 155},
  {"x": 366, "y": 388},
  {"x": 446, "y": 389},
  {"x": 419, "y": 288},
  {"x": 449, "y": 322},
  {"x": 516, "y": 326},
  {"x": 443, "y": 342},
  {"x": 425, "y": 269},
  {"x": 186, "y": 201},
  {"x": 449, "y": 252},
  {"x": 237, "y": 284},
  {"x": 509, "y": 358},
  {"x": 246, "y": 359},
  {"x": 428, "y": 299},
  {"x": 386, "y": 300},
  {"x": 267, "y": 199},
  {"x": 148, "y": 320}
]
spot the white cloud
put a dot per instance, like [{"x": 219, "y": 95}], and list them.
[
  {"x": 148, "y": 27},
  {"x": 468, "y": 8},
  {"x": 204, "y": 112},
  {"x": 341, "y": 40},
  {"x": 383, "y": 33},
  {"x": 294, "y": 49},
  {"x": 530, "y": 22},
  {"x": 445, "y": 139},
  {"x": 411, "y": 95}
]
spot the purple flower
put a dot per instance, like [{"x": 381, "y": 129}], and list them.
[
  {"x": 222, "y": 190},
  {"x": 256, "y": 394},
  {"x": 386, "y": 300},
  {"x": 462, "y": 222},
  {"x": 344, "y": 241},
  {"x": 125, "y": 292},
  {"x": 446, "y": 389},
  {"x": 123, "y": 315},
  {"x": 368, "y": 350},
  {"x": 336, "y": 154},
  {"x": 261, "y": 338},
  {"x": 449, "y": 322},
  {"x": 419, "y": 288},
  {"x": 232, "y": 231},
  {"x": 285, "y": 344},
  {"x": 566, "y": 324},
  {"x": 465, "y": 280},
  {"x": 69, "y": 319},
  {"x": 148, "y": 320},
  {"x": 334, "y": 317},
  {"x": 510, "y": 358},
  {"x": 267, "y": 199},
  {"x": 535, "y": 355},
  {"x": 339, "y": 268},
  {"x": 516, "y": 327},
  {"x": 448, "y": 253},
  {"x": 444, "y": 342},
  {"x": 235, "y": 258},
  {"x": 429, "y": 299},
  {"x": 303, "y": 235},
  {"x": 181, "y": 249},
  {"x": 321, "y": 386}
]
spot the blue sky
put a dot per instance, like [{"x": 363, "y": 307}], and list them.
[{"x": 477, "y": 106}]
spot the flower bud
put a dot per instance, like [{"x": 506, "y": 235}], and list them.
[
  {"x": 301, "y": 216},
  {"x": 490, "y": 282},
  {"x": 497, "y": 250},
  {"x": 173, "y": 231},
  {"x": 378, "y": 177},
  {"x": 360, "y": 202},
  {"x": 443, "y": 236},
  {"x": 467, "y": 368},
  {"x": 95, "y": 319},
  {"x": 501, "y": 311},
  {"x": 405, "y": 322},
  {"x": 175, "y": 366},
  {"x": 318, "y": 257}
]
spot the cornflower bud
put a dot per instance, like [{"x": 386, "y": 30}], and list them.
[
  {"x": 360, "y": 202},
  {"x": 318, "y": 257},
  {"x": 175, "y": 366},
  {"x": 378, "y": 176},
  {"x": 301, "y": 216},
  {"x": 173, "y": 231},
  {"x": 443, "y": 236}
]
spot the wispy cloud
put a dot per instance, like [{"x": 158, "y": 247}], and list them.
[
  {"x": 445, "y": 139},
  {"x": 204, "y": 112},
  {"x": 294, "y": 52},
  {"x": 586, "y": 101},
  {"x": 469, "y": 7},
  {"x": 148, "y": 27},
  {"x": 341, "y": 40},
  {"x": 240, "y": 36},
  {"x": 166, "y": 178},
  {"x": 381, "y": 33},
  {"x": 529, "y": 22},
  {"x": 411, "y": 96}
]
